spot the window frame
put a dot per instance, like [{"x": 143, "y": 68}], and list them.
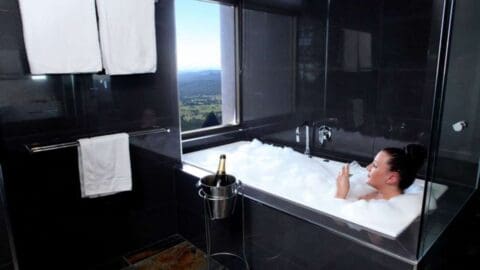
[{"x": 200, "y": 132}]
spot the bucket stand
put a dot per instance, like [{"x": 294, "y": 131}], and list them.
[{"x": 209, "y": 205}]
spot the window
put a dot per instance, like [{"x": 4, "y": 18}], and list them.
[{"x": 205, "y": 38}]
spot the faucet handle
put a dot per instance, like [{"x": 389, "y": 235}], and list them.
[
  {"x": 324, "y": 134},
  {"x": 325, "y": 128}
]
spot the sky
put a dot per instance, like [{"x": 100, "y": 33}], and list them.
[{"x": 198, "y": 35}]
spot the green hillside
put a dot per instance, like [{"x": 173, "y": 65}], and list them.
[
  {"x": 200, "y": 99},
  {"x": 197, "y": 83}
]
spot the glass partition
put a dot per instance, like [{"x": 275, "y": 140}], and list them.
[
  {"x": 455, "y": 157},
  {"x": 332, "y": 82},
  {"x": 364, "y": 72}
]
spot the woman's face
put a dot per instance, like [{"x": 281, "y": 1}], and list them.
[{"x": 379, "y": 170}]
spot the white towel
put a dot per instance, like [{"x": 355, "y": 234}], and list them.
[
  {"x": 127, "y": 36},
  {"x": 61, "y": 36},
  {"x": 104, "y": 165}
]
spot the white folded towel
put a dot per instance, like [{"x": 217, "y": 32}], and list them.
[
  {"x": 104, "y": 165},
  {"x": 127, "y": 36},
  {"x": 61, "y": 36}
]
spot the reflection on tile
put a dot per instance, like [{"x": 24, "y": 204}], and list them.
[
  {"x": 181, "y": 256},
  {"x": 267, "y": 48},
  {"x": 146, "y": 252},
  {"x": 50, "y": 217},
  {"x": 62, "y": 108},
  {"x": 403, "y": 94},
  {"x": 378, "y": 84}
]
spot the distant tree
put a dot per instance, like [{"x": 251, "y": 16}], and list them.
[{"x": 211, "y": 120}]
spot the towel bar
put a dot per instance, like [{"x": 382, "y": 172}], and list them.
[{"x": 36, "y": 149}]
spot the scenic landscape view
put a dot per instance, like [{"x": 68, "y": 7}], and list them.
[
  {"x": 198, "y": 62},
  {"x": 200, "y": 98}
]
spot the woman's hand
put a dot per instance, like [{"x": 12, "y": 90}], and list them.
[{"x": 343, "y": 183}]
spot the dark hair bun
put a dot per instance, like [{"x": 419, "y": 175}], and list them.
[{"x": 416, "y": 155}]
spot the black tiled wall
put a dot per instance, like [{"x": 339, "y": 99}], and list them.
[
  {"x": 311, "y": 57},
  {"x": 295, "y": 89},
  {"x": 60, "y": 108},
  {"x": 380, "y": 78},
  {"x": 52, "y": 225},
  {"x": 379, "y": 90},
  {"x": 6, "y": 261},
  {"x": 268, "y": 69},
  {"x": 55, "y": 228}
]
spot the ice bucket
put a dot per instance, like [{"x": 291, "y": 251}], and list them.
[{"x": 220, "y": 200}]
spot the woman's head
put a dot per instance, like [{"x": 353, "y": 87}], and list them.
[{"x": 396, "y": 167}]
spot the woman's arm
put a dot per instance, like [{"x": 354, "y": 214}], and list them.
[{"x": 343, "y": 183}]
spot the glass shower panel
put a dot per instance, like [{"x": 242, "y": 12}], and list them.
[
  {"x": 457, "y": 154},
  {"x": 375, "y": 92}
]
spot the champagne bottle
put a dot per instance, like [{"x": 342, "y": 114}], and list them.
[{"x": 221, "y": 176}]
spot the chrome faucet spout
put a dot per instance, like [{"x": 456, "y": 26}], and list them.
[
  {"x": 307, "y": 140},
  {"x": 307, "y": 137}
]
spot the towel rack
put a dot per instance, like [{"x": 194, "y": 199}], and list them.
[{"x": 37, "y": 149}]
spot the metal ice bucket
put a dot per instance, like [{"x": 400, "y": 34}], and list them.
[{"x": 220, "y": 200}]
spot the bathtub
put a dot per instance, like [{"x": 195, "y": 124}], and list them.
[{"x": 311, "y": 183}]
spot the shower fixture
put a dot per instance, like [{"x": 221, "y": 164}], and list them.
[
  {"x": 324, "y": 134},
  {"x": 307, "y": 137},
  {"x": 460, "y": 126}
]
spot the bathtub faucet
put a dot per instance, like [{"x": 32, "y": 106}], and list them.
[{"x": 307, "y": 137}]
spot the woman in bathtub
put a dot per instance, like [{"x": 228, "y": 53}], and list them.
[{"x": 390, "y": 173}]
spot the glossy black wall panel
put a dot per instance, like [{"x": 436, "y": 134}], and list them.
[
  {"x": 283, "y": 6},
  {"x": 352, "y": 84},
  {"x": 49, "y": 216},
  {"x": 50, "y": 221},
  {"x": 379, "y": 85},
  {"x": 379, "y": 80},
  {"x": 12, "y": 55},
  {"x": 406, "y": 26},
  {"x": 268, "y": 65},
  {"x": 62, "y": 108},
  {"x": 307, "y": 68},
  {"x": 311, "y": 57},
  {"x": 5, "y": 251}
]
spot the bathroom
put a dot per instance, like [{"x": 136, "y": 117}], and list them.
[{"x": 362, "y": 75}]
